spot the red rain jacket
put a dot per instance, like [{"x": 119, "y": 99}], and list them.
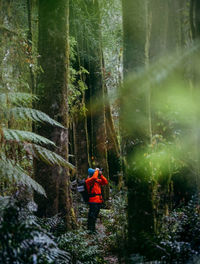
[{"x": 95, "y": 191}]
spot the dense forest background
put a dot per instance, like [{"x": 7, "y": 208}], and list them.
[{"x": 112, "y": 84}]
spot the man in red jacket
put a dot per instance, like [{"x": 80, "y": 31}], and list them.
[{"x": 93, "y": 184}]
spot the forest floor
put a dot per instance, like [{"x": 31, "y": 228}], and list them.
[
  {"x": 102, "y": 237},
  {"x": 110, "y": 258},
  {"x": 109, "y": 236}
]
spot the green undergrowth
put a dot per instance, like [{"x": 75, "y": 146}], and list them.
[
  {"x": 178, "y": 239},
  {"x": 25, "y": 238},
  {"x": 114, "y": 220}
]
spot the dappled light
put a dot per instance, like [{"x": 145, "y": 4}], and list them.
[{"x": 99, "y": 131}]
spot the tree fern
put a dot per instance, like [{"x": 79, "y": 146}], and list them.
[
  {"x": 20, "y": 99},
  {"x": 49, "y": 157},
  {"x": 16, "y": 106},
  {"x": 13, "y": 171},
  {"x": 25, "y": 136},
  {"x": 33, "y": 115}
]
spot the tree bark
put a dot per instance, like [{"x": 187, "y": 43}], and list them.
[
  {"x": 81, "y": 146},
  {"x": 52, "y": 87},
  {"x": 90, "y": 43},
  {"x": 95, "y": 95},
  {"x": 135, "y": 132},
  {"x": 80, "y": 133},
  {"x": 113, "y": 148}
]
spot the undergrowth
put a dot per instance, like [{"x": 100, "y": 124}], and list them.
[
  {"x": 25, "y": 238},
  {"x": 179, "y": 239}
]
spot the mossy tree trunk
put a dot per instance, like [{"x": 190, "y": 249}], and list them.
[
  {"x": 135, "y": 131},
  {"x": 79, "y": 117},
  {"x": 195, "y": 18},
  {"x": 102, "y": 140},
  {"x": 95, "y": 95},
  {"x": 52, "y": 86},
  {"x": 113, "y": 148},
  {"x": 81, "y": 149}
]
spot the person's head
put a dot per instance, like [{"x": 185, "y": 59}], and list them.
[{"x": 90, "y": 172}]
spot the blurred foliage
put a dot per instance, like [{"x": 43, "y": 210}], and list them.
[{"x": 159, "y": 112}]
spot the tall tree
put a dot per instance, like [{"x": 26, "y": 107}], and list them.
[
  {"x": 52, "y": 87},
  {"x": 195, "y": 18},
  {"x": 100, "y": 140},
  {"x": 134, "y": 125},
  {"x": 78, "y": 106},
  {"x": 95, "y": 95}
]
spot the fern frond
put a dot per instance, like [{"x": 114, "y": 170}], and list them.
[
  {"x": 34, "y": 115},
  {"x": 48, "y": 156},
  {"x": 19, "y": 99},
  {"x": 21, "y": 136},
  {"x": 14, "y": 172}
]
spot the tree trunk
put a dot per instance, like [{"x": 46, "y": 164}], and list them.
[
  {"x": 30, "y": 39},
  {"x": 197, "y": 18},
  {"x": 134, "y": 130},
  {"x": 81, "y": 146},
  {"x": 113, "y": 149},
  {"x": 52, "y": 89},
  {"x": 96, "y": 94},
  {"x": 159, "y": 13},
  {"x": 80, "y": 133},
  {"x": 90, "y": 43}
]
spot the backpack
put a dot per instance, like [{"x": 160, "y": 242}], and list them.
[{"x": 81, "y": 188}]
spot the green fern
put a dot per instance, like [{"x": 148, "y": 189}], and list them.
[
  {"x": 33, "y": 115},
  {"x": 25, "y": 136},
  {"x": 20, "y": 99},
  {"x": 14, "y": 172},
  {"x": 49, "y": 157},
  {"x": 16, "y": 106}
]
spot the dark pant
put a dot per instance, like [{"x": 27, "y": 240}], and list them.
[{"x": 92, "y": 215}]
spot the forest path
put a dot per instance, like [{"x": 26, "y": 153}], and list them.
[
  {"x": 110, "y": 258},
  {"x": 105, "y": 237}
]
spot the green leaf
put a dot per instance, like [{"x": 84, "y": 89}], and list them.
[
  {"x": 34, "y": 115},
  {"x": 24, "y": 99},
  {"x": 21, "y": 136},
  {"x": 48, "y": 156},
  {"x": 14, "y": 172}
]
